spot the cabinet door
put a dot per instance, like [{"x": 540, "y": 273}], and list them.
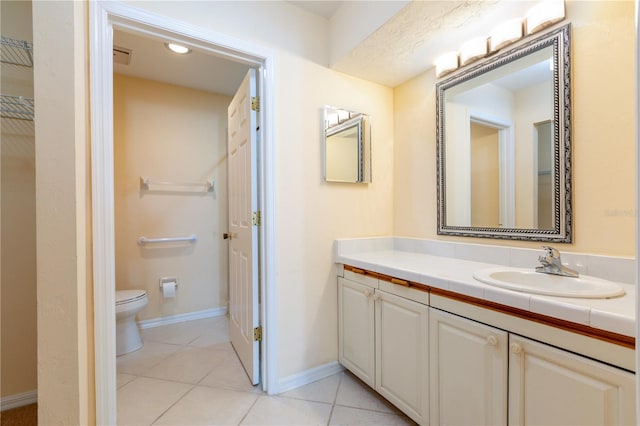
[
  {"x": 553, "y": 387},
  {"x": 356, "y": 319},
  {"x": 402, "y": 340},
  {"x": 468, "y": 365}
]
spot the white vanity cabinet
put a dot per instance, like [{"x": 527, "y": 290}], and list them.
[
  {"x": 468, "y": 371},
  {"x": 356, "y": 332},
  {"x": 383, "y": 339},
  {"x": 446, "y": 359},
  {"x": 552, "y": 386},
  {"x": 402, "y": 354},
  {"x": 482, "y": 375}
]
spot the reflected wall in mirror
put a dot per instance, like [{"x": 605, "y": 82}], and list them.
[
  {"x": 347, "y": 146},
  {"x": 504, "y": 144}
]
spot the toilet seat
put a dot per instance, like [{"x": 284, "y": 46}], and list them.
[{"x": 129, "y": 296}]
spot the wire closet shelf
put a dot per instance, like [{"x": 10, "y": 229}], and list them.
[{"x": 16, "y": 52}]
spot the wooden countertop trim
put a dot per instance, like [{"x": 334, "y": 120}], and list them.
[
  {"x": 585, "y": 330},
  {"x": 393, "y": 280}
]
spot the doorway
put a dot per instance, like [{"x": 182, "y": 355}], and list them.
[
  {"x": 492, "y": 172},
  {"x": 104, "y": 17}
]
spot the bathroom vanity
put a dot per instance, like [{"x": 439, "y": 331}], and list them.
[{"x": 448, "y": 349}]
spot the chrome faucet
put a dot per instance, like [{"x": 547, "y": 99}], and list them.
[{"x": 551, "y": 264}]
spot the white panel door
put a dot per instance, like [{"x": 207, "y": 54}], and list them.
[
  {"x": 356, "y": 333},
  {"x": 468, "y": 365},
  {"x": 243, "y": 243},
  {"x": 402, "y": 354},
  {"x": 549, "y": 386}
]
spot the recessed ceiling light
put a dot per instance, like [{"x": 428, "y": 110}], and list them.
[{"x": 177, "y": 48}]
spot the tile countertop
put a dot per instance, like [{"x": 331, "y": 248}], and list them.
[{"x": 616, "y": 314}]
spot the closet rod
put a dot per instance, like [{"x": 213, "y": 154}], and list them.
[{"x": 190, "y": 239}]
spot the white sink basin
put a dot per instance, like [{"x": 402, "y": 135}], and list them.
[{"x": 529, "y": 281}]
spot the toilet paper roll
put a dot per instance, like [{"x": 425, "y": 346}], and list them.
[{"x": 169, "y": 289}]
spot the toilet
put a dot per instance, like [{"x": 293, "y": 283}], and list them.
[{"x": 128, "y": 304}]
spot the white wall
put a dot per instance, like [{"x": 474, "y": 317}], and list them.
[
  {"x": 173, "y": 134},
  {"x": 532, "y": 105}
]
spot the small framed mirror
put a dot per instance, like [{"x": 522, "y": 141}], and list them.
[
  {"x": 347, "y": 146},
  {"x": 504, "y": 144}
]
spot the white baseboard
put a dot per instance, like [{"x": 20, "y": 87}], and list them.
[
  {"x": 309, "y": 376},
  {"x": 18, "y": 400},
  {"x": 189, "y": 316}
]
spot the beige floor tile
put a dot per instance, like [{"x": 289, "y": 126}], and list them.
[
  {"x": 324, "y": 390},
  {"x": 208, "y": 406},
  {"x": 230, "y": 375},
  {"x": 274, "y": 410},
  {"x": 143, "y": 400},
  {"x": 123, "y": 379},
  {"x": 353, "y": 393},
  {"x": 356, "y": 416},
  {"x": 175, "y": 334},
  {"x": 145, "y": 358},
  {"x": 188, "y": 365},
  {"x": 217, "y": 332},
  {"x": 226, "y": 346}
]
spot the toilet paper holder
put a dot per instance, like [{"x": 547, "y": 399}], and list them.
[{"x": 165, "y": 280}]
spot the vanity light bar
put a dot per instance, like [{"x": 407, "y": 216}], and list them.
[
  {"x": 446, "y": 63},
  {"x": 505, "y": 34},
  {"x": 544, "y": 14},
  {"x": 475, "y": 48},
  {"x": 539, "y": 17}
]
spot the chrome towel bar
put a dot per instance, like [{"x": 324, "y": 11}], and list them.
[{"x": 190, "y": 239}]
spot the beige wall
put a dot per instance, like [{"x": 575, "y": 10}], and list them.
[
  {"x": 485, "y": 184},
  {"x": 18, "y": 310},
  {"x": 310, "y": 213},
  {"x": 174, "y": 134},
  {"x": 65, "y": 314},
  {"x": 603, "y": 138}
]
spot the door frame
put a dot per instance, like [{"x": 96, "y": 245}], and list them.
[{"x": 103, "y": 17}]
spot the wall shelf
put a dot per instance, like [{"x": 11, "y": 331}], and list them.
[
  {"x": 16, "y": 107},
  {"x": 16, "y": 52}
]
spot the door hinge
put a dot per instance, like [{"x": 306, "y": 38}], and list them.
[
  {"x": 255, "y": 103},
  {"x": 257, "y": 218},
  {"x": 257, "y": 334}
]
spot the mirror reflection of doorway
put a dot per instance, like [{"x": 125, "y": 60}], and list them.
[
  {"x": 485, "y": 176},
  {"x": 544, "y": 174}
]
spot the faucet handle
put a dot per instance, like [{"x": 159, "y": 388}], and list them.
[{"x": 552, "y": 252}]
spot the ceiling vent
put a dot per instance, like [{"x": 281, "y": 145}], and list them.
[{"x": 121, "y": 55}]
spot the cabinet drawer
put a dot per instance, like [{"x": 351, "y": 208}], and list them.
[
  {"x": 406, "y": 292},
  {"x": 361, "y": 278}
]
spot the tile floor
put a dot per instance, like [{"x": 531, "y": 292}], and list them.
[{"x": 189, "y": 374}]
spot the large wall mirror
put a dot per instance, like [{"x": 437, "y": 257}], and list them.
[
  {"x": 504, "y": 144},
  {"x": 347, "y": 146}
]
